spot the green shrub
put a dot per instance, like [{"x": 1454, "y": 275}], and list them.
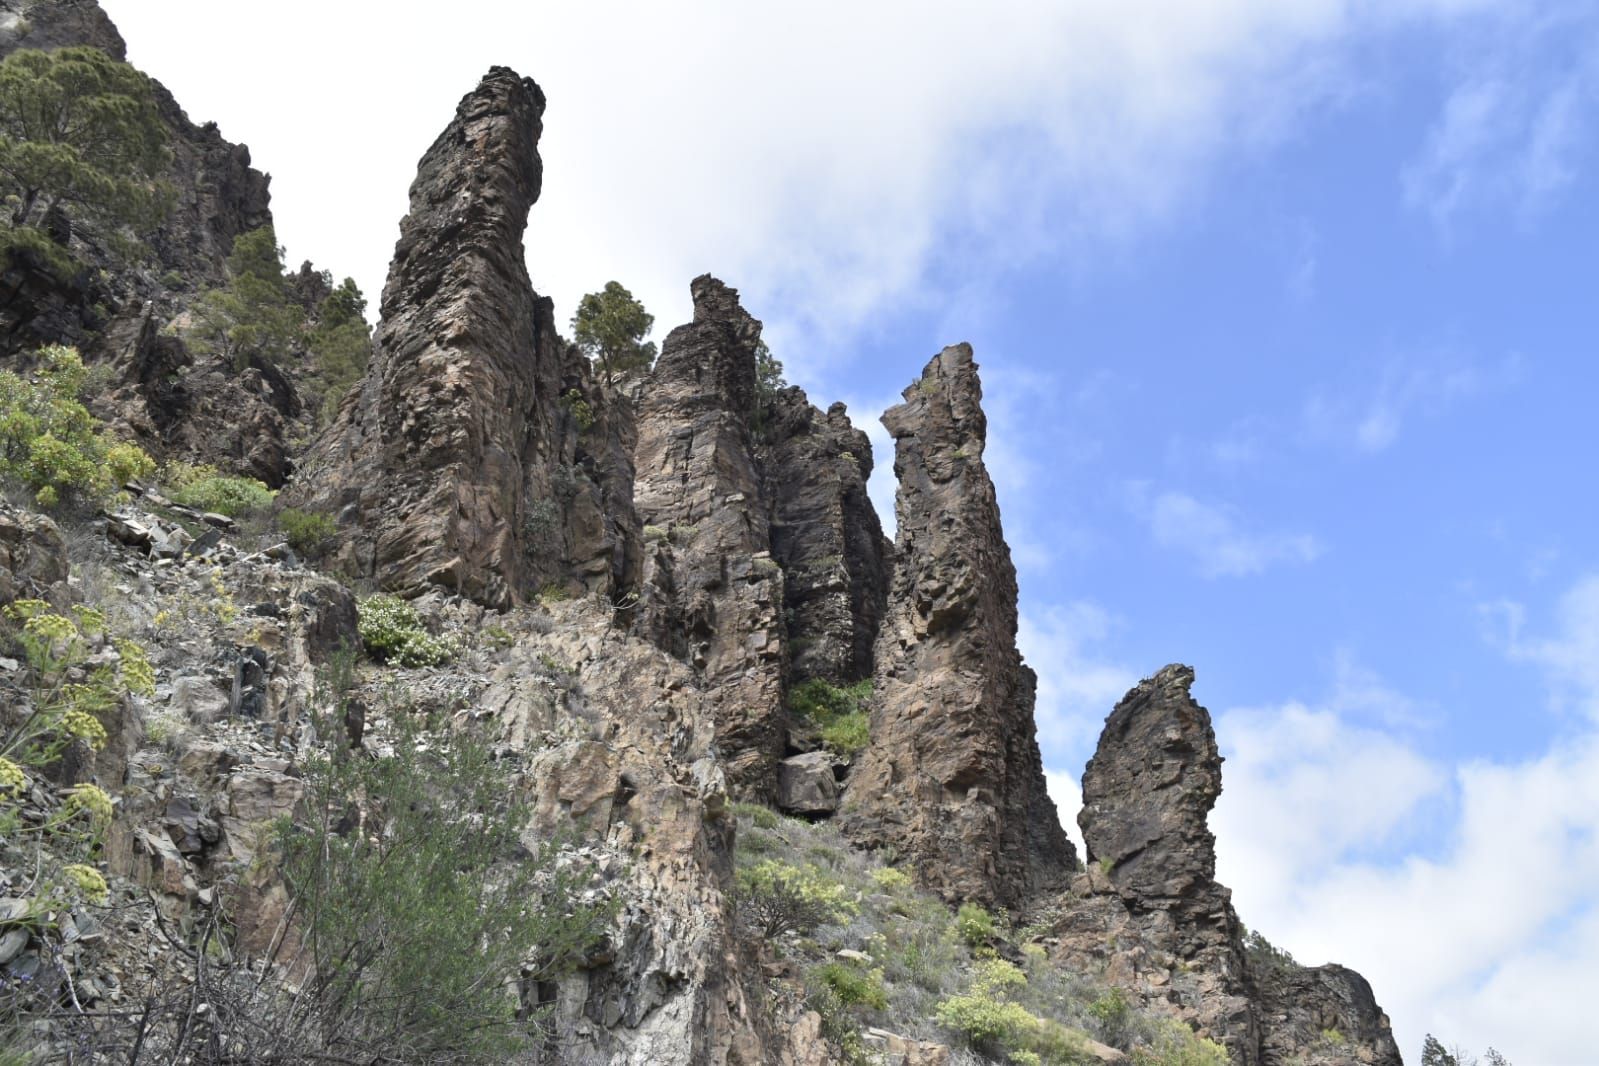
[
  {"x": 889, "y": 879},
  {"x": 847, "y": 735},
  {"x": 1112, "y": 1015},
  {"x": 75, "y": 674},
  {"x": 976, "y": 926},
  {"x": 51, "y": 443},
  {"x": 990, "y": 1020},
  {"x": 775, "y": 897},
  {"x": 1177, "y": 1045},
  {"x": 392, "y": 633},
  {"x": 839, "y": 1027},
  {"x": 306, "y": 530},
  {"x": 417, "y": 930},
  {"x": 582, "y": 413},
  {"x": 985, "y": 1020},
  {"x": 839, "y": 712},
  {"x": 206, "y": 489},
  {"x": 763, "y": 817},
  {"x": 855, "y": 986}
]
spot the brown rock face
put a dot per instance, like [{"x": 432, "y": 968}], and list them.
[
  {"x": 953, "y": 774},
  {"x": 33, "y": 556},
  {"x": 826, "y": 537},
  {"x": 1148, "y": 910},
  {"x": 712, "y": 594},
  {"x": 1146, "y": 794},
  {"x": 455, "y": 463}
]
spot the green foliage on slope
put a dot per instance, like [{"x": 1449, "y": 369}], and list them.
[
  {"x": 421, "y": 923},
  {"x": 79, "y": 133},
  {"x": 49, "y": 441},
  {"x": 839, "y": 712},
  {"x": 885, "y": 954}
]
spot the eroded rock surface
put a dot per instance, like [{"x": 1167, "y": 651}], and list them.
[
  {"x": 442, "y": 467},
  {"x": 1149, "y": 913},
  {"x": 712, "y": 594},
  {"x": 825, "y": 535},
  {"x": 33, "y": 556},
  {"x": 953, "y": 775}
]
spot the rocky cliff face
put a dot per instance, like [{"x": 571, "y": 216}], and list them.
[
  {"x": 455, "y": 463},
  {"x": 825, "y": 535},
  {"x": 953, "y": 774},
  {"x": 1149, "y": 911},
  {"x": 712, "y": 594},
  {"x": 695, "y": 550}
]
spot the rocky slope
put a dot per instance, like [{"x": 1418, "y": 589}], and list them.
[{"x": 660, "y": 563}]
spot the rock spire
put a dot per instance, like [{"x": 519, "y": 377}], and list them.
[{"x": 953, "y": 775}]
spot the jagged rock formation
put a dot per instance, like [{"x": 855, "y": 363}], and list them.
[
  {"x": 455, "y": 464},
  {"x": 1149, "y": 911},
  {"x": 1146, "y": 794},
  {"x": 712, "y": 594},
  {"x": 825, "y": 535},
  {"x": 729, "y": 550},
  {"x": 953, "y": 774},
  {"x": 171, "y": 402}
]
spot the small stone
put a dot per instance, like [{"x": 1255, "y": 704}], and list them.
[{"x": 11, "y": 944}]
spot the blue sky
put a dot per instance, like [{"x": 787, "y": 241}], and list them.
[{"x": 1286, "y": 319}]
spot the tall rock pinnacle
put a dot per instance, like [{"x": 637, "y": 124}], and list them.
[
  {"x": 1146, "y": 795},
  {"x": 1149, "y": 914},
  {"x": 953, "y": 774},
  {"x": 435, "y": 465},
  {"x": 711, "y": 593}
]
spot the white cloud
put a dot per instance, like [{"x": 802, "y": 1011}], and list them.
[
  {"x": 1078, "y": 685},
  {"x": 1427, "y": 384},
  {"x": 1512, "y": 132},
  {"x": 832, "y": 160},
  {"x": 1571, "y": 657},
  {"x": 1212, "y": 535},
  {"x": 1466, "y": 894},
  {"x": 1067, "y": 792}
]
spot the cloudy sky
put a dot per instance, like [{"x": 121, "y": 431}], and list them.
[{"x": 1286, "y": 316}]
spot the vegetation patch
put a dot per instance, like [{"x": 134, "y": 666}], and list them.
[
  {"x": 416, "y": 932},
  {"x": 307, "y": 531},
  {"x": 206, "y": 488},
  {"x": 839, "y": 712},
  {"x": 51, "y": 444},
  {"x": 392, "y": 632}
]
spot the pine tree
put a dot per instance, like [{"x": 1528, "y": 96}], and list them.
[
  {"x": 252, "y": 317},
  {"x": 610, "y": 327},
  {"x": 80, "y": 135}
]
